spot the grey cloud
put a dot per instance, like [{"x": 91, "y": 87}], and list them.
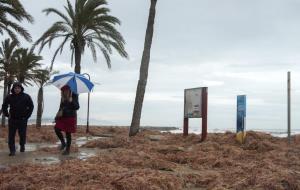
[{"x": 246, "y": 46}]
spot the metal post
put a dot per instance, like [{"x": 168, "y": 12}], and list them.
[
  {"x": 185, "y": 118},
  {"x": 289, "y": 105},
  {"x": 88, "y": 108},
  {"x": 88, "y": 115}
]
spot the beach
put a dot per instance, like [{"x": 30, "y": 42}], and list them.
[{"x": 153, "y": 160}]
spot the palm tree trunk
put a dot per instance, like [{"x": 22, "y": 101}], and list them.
[
  {"x": 3, "y": 119},
  {"x": 39, "y": 113},
  {"x": 77, "y": 59},
  {"x": 21, "y": 79},
  {"x": 9, "y": 87},
  {"x": 141, "y": 87}
]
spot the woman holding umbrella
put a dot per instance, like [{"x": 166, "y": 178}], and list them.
[
  {"x": 71, "y": 84},
  {"x": 66, "y": 118}
]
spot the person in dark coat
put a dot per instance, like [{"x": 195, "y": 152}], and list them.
[
  {"x": 66, "y": 118},
  {"x": 20, "y": 109}
]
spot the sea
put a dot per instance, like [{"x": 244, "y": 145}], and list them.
[{"x": 178, "y": 129}]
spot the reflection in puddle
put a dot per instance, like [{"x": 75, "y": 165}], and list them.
[
  {"x": 35, "y": 146},
  {"x": 83, "y": 140},
  {"x": 47, "y": 160},
  {"x": 83, "y": 155}
]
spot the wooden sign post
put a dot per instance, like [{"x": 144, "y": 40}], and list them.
[
  {"x": 195, "y": 106},
  {"x": 289, "y": 106}
]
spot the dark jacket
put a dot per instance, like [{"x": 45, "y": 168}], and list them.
[
  {"x": 20, "y": 105},
  {"x": 69, "y": 108}
]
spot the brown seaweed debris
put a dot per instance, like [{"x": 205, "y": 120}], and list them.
[{"x": 170, "y": 162}]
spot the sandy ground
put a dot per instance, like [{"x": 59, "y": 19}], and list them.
[{"x": 154, "y": 160}]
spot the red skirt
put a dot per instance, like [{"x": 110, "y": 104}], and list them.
[{"x": 66, "y": 124}]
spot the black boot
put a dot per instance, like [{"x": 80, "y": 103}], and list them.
[
  {"x": 61, "y": 138},
  {"x": 69, "y": 140},
  {"x": 22, "y": 148},
  {"x": 62, "y": 146},
  {"x": 67, "y": 151},
  {"x": 12, "y": 154}
]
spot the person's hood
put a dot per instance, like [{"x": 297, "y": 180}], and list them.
[{"x": 17, "y": 84}]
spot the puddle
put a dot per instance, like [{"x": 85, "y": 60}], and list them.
[
  {"x": 86, "y": 153},
  {"x": 35, "y": 146},
  {"x": 82, "y": 154},
  {"x": 83, "y": 140},
  {"x": 47, "y": 160},
  {"x": 3, "y": 168},
  {"x": 32, "y": 156},
  {"x": 30, "y": 147}
]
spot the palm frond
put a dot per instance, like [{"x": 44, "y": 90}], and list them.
[
  {"x": 20, "y": 30},
  {"x": 25, "y": 65},
  {"x": 12, "y": 35},
  {"x": 89, "y": 24},
  {"x": 93, "y": 50},
  {"x": 70, "y": 10},
  {"x": 59, "y": 49},
  {"x": 51, "y": 34},
  {"x": 14, "y": 9},
  {"x": 57, "y": 12},
  {"x": 107, "y": 57},
  {"x": 21, "y": 11}
]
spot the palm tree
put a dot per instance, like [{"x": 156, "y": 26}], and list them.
[
  {"x": 20, "y": 64},
  {"x": 42, "y": 77},
  {"x": 89, "y": 24},
  {"x": 13, "y": 8},
  {"x": 26, "y": 65},
  {"x": 141, "y": 87},
  {"x": 7, "y": 53}
]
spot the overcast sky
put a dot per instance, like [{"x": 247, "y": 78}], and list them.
[{"x": 232, "y": 47}]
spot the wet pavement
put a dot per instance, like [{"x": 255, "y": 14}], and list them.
[{"x": 31, "y": 155}]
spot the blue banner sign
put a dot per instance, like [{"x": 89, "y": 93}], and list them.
[{"x": 241, "y": 118}]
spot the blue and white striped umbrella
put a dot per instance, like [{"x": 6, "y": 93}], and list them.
[{"x": 78, "y": 83}]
